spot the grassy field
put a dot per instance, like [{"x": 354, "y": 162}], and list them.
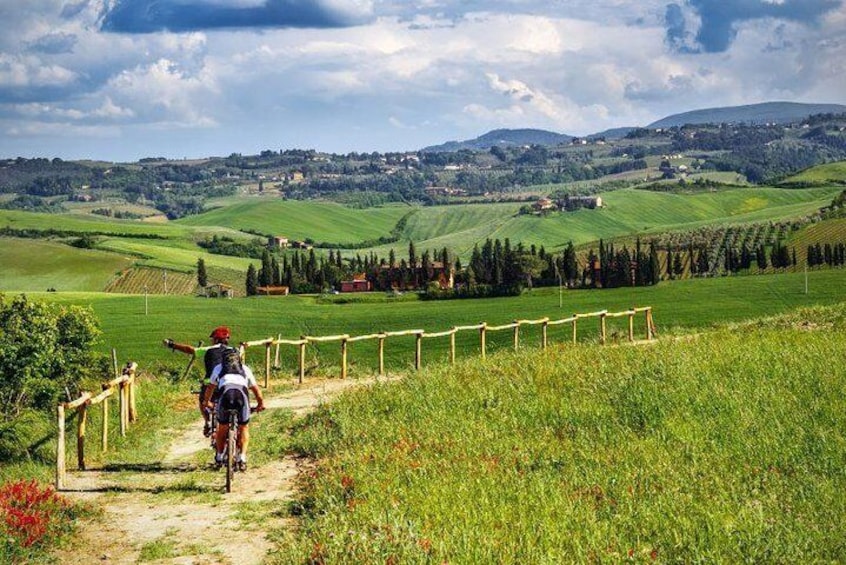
[
  {"x": 627, "y": 211},
  {"x": 725, "y": 448},
  {"x": 830, "y": 172},
  {"x": 678, "y": 306},
  {"x": 38, "y": 265},
  {"x": 320, "y": 221},
  {"x": 458, "y": 228}
]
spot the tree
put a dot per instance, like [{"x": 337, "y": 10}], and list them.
[
  {"x": 265, "y": 275},
  {"x": 571, "y": 266},
  {"x": 44, "y": 349},
  {"x": 654, "y": 264},
  {"x": 252, "y": 280},
  {"x": 202, "y": 276},
  {"x": 761, "y": 257}
]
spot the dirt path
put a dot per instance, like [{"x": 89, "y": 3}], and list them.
[{"x": 176, "y": 508}]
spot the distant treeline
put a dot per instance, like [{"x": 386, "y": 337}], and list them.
[{"x": 34, "y": 233}]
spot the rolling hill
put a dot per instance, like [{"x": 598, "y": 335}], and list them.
[
  {"x": 767, "y": 112},
  {"x": 503, "y": 138}
]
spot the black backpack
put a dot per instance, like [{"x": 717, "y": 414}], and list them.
[{"x": 231, "y": 362}]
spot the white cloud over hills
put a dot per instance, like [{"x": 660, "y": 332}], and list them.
[{"x": 123, "y": 79}]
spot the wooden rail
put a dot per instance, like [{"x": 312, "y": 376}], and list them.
[
  {"x": 124, "y": 386},
  {"x": 420, "y": 335}
]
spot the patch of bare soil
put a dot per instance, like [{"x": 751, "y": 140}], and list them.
[{"x": 172, "y": 512}]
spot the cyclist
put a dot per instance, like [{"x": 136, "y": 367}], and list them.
[
  {"x": 232, "y": 380},
  {"x": 220, "y": 338}
]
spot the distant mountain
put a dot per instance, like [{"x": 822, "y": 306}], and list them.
[
  {"x": 503, "y": 138},
  {"x": 613, "y": 133},
  {"x": 776, "y": 112}
]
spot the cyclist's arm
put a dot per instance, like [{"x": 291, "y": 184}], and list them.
[
  {"x": 184, "y": 348},
  {"x": 211, "y": 387},
  {"x": 252, "y": 384}
]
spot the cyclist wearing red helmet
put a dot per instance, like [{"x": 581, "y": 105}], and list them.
[
  {"x": 213, "y": 357},
  {"x": 220, "y": 339}
]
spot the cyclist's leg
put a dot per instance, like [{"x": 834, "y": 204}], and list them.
[
  {"x": 224, "y": 404},
  {"x": 243, "y": 427}
]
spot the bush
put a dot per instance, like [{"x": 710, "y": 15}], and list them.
[{"x": 45, "y": 352}]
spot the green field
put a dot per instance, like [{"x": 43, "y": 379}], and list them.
[
  {"x": 627, "y": 212},
  {"x": 723, "y": 448},
  {"x": 679, "y": 305},
  {"x": 319, "y": 221},
  {"x": 38, "y": 265},
  {"x": 458, "y": 228},
  {"x": 822, "y": 174}
]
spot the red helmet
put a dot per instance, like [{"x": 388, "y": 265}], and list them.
[{"x": 221, "y": 333}]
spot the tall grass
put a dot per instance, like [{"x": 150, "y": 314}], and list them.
[{"x": 729, "y": 447}]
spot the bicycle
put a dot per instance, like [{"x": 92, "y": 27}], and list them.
[{"x": 231, "y": 451}]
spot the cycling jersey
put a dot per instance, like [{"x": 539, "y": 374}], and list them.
[{"x": 246, "y": 380}]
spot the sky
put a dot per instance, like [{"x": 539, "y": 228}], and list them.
[{"x": 121, "y": 80}]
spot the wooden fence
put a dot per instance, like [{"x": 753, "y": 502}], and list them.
[
  {"x": 124, "y": 385},
  {"x": 577, "y": 321}
]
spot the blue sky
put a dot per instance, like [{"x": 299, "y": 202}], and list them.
[{"x": 125, "y": 79}]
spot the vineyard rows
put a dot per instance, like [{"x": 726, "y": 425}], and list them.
[{"x": 156, "y": 281}]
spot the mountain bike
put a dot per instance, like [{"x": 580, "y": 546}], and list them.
[{"x": 231, "y": 451}]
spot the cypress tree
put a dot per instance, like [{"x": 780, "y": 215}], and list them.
[
  {"x": 252, "y": 281},
  {"x": 276, "y": 274},
  {"x": 265, "y": 274},
  {"x": 202, "y": 276},
  {"x": 761, "y": 257},
  {"x": 571, "y": 266},
  {"x": 654, "y": 264}
]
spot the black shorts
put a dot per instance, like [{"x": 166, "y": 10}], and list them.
[{"x": 233, "y": 398}]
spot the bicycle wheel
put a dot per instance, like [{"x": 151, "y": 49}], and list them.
[{"x": 231, "y": 437}]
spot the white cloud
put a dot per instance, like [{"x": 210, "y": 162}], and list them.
[{"x": 435, "y": 69}]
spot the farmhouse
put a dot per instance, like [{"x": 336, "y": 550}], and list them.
[
  {"x": 358, "y": 284},
  {"x": 278, "y": 242},
  {"x": 543, "y": 204},
  {"x": 218, "y": 290}
]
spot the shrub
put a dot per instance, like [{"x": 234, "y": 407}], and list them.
[{"x": 45, "y": 351}]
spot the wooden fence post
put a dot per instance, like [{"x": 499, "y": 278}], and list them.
[
  {"x": 82, "y": 422},
  {"x": 516, "y": 335},
  {"x": 482, "y": 332},
  {"x": 132, "y": 413},
  {"x": 267, "y": 364},
  {"x": 115, "y": 363},
  {"x": 60, "y": 448},
  {"x": 575, "y": 320},
  {"x": 631, "y": 324},
  {"x": 124, "y": 409},
  {"x": 648, "y": 324},
  {"x": 602, "y": 328},
  {"x": 382, "y": 354},
  {"x": 344, "y": 358},
  {"x": 452, "y": 346},
  {"x": 302, "y": 355},
  {"x": 104, "y": 441},
  {"x": 418, "y": 351},
  {"x": 276, "y": 363},
  {"x": 544, "y": 334}
]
